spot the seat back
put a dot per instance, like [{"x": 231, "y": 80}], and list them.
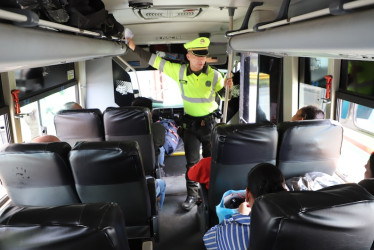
[
  {"x": 73, "y": 227},
  {"x": 236, "y": 149},
  {"x": 112, "y": 171},
  {"x": 309, "y": 146},
  {"x": 368, "y": 184},
  {"x": 132, "y": 123},
  {"x": 337, "y": 217},
  {"x": 38, "y": 174},
  {"x": 79, "y": 125}
]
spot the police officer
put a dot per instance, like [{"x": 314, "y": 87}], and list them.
[{"x": 199, "y": 84}]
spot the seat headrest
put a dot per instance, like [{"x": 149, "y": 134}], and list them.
[
  {"x": 122, "y": 158},
  {"x": 79, "y": 125},
  {"x": 129, "y": 121},
  {"x": 309, "y": 146},
  {"x": 78, "y": 226},
  {"x": 368, "y": 184},
  {"x": 230, "y": 143},
  {"x": 336, "y": 217}
]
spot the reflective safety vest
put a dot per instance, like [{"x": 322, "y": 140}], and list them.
[{"x": 198, "y": 92}]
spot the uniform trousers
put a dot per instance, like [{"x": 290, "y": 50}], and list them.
[{"x": 196, "y": 133}]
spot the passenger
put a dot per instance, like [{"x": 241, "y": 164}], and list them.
[
  {"x": 199, "y": 85},
  {"x": 309, "y": 112},
  {"x": 45, "y": 138},
  {"x": 369, "y": 173},
  {"x": 233, "y": 233},
  {"x": 368, "y": 181},
  {"x": 72, "y": 105}
]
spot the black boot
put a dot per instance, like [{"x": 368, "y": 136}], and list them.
[{"x": 189, "y": 203}]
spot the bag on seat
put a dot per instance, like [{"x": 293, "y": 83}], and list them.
[
  {"x": 171, "y": 135},
  {"x": 230, "y": 203}
]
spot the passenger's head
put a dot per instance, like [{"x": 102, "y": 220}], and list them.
[
  {"x": 369, "y": 173},
  {"x": 264, "y": 178},
  {"x": 197, "y": 51},
  {"x": 142, "y": 102},
  {"x": 308, "y": 113},
  {"x": 72, "y": 105},
  {"x": 45, "y": 138}
]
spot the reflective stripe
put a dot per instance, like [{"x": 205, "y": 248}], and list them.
[
  {"x": 197, "y": 100},
  {"x": 181, "y": 72},
  {"x": 152, "y": 59},
  {"x": 162, "y": 64}
]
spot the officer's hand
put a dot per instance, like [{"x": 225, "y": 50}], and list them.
[
  {"x": 228, "y": 82},
  {"x": 130, "y": 43}
]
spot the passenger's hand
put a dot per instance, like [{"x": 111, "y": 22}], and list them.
[
  {"x": 244, "y": 208},
  {"x": 228, "y": 82}
]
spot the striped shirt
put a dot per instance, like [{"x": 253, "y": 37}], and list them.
[{"x": 232, "y": 233}]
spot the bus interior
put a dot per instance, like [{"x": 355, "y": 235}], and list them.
[{"x": 281, "y": 54}]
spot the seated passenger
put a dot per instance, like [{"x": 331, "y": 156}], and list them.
[
  {"x": 233, "y": 233},
  {"x": 45, "y": 138},
  {"x": 71, "y": 105},
  {"x": 369, "y": 173},
  {"x": 309, "y": 112}
]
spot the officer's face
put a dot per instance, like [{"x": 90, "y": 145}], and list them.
[{"x": 196, "y": 62}]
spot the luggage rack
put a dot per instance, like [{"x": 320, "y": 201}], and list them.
[{"x": 27, "y": 18}]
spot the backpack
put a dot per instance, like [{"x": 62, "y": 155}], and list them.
[
  {"x": 171, "y": 135},
  {"x": 91, "y": 15}
]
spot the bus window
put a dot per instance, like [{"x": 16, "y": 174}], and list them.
[
  {"x": 261, "y": 89},
  {"x": 312, "y": 82},
  {"x": 40, "y": 114},
  {"x": 358, "y": 143},
  {"x": 156, "y": 85}
]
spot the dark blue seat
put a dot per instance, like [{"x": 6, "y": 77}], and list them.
[
  {"x": 112, "y": 171},
  {"x": 82, "y": 226},
  {"x": 236, "y": 149},
  {"x": 38, "y": 174},
  {"x": 335, "y": 218},
  {"x": 132, "y": 123},
  {"x": 309, "y": 146},
  {"x": 79, "y": 125}
]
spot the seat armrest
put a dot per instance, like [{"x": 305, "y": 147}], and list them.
[
  {"x": 151, "y": 184},
  {"x": 203, "y": 209}
]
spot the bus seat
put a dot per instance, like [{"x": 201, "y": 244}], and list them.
[
  {"x": 332, "y": 218},
  {"x": 235, "y": 150},
  {"x": 75, "y": 125},
  {"x": 132, "y": 123},
  {"x": 368, "y": 184},
  {"x": 38, "y": 174},
  {"x": 73, "y": 227},
  {"x": 308, "y": 146},
  {"x": 112, "y": 171}
]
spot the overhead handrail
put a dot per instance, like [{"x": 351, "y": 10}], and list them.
[
  {"x": 229, "y": 67},
  {"x": 133, "y": 69},
  {"x": 319, "y": 13},
  {"x": 247, "y": 17},
  {"x": 282, "y": 14}
]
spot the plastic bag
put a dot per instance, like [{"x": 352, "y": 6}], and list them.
[{"x": 229, "y": 204}]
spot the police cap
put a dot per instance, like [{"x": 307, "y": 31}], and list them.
[{"x": 198, "y": 47}]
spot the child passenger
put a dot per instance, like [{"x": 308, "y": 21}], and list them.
[{"x": 233, "y": 233}]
